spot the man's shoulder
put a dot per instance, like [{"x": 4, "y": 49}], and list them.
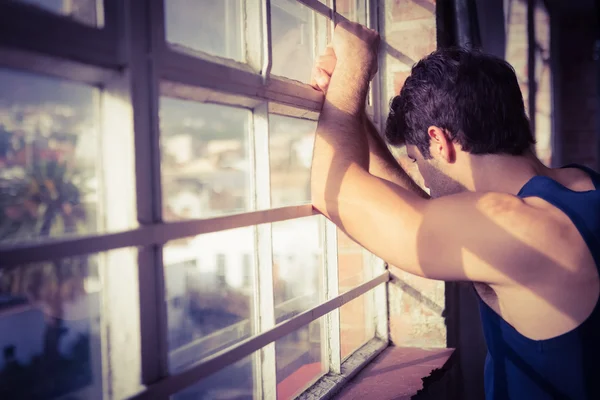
[
  {"x": 539, "y": 235},
  {"x": 529, "y": 231}
]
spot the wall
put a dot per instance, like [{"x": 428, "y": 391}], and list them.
[
  {"x": 577, "y": 79},
  {"x": 408, "y": 29}
]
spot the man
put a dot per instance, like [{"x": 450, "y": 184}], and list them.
[{"x": 527, "y": 236}]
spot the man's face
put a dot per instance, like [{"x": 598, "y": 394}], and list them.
[{"x": 436, "y": 173}]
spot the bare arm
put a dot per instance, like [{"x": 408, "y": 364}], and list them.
[{"x": 383, "y": 164}]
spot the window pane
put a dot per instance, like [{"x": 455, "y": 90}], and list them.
[
  {"x": 50, "y": 330},
  {"x": 233, "y": 382},
  {"x": 48, "y": 157},
  {"x": 205, "y": 165},
  {"x": 354, "y": 10},
  {"x": 84, "y": 11},
  {"x": 357, "y": 324},
  {"x": 354, "y": 269},
  {"x": 297, "y": 266},
  {"x": 292, "y": 27},
  {"x": 300, "y": 360},
  {"x": 353, "y": 264},
  {"x": 209, "y": 289},
  {"x": 214, "y": 27},
  {"x": 290, "y": 148}
]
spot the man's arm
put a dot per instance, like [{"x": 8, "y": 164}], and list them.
[
  {"x": 470, "y": 236},
  {"x": 383, "y": 164}
]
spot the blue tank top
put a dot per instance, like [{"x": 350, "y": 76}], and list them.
[{"x": 563, "y": 367}]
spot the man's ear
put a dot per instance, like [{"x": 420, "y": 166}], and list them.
[{"x": 440, "y": 144}]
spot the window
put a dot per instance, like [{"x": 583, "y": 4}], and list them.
[
  {"x": 356, "y": 316},
  {"x": 49, "y": 165},
  {"x": 204, "y": 159},
  {"x": 290, "y": 150},
  {"x": 300, "y": 360},
  {"x": 219, "y": 312},
  {"x": 247, "y": 270},
  {"x": 354, "y": 10},
  {"x": 156, "y": 230},
  {"x": 297, "y": 266},
  {"x": 50, "y": 322},
  {"x": 84, "y": 11},
  {"x": 213, "y": 27},
  {"x": 235, "y": 381}
]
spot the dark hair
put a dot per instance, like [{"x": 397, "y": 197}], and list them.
[{"x": 474, "y": 97}]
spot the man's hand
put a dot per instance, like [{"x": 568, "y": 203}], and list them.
[
  {"x": 382, "y": 162},
  {"x": 356, "y": 47}
]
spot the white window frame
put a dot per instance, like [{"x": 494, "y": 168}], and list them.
[{"x": 128, "y": 57}]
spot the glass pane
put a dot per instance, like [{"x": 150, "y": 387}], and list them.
[
  {"x": 49, "y": 164},
  {"x": 290, "y": 149},
  {"x": 354, "y": 10},
  {"x": 292, "y": 27},
  {"x": 209, "y": 289},
  {"x": 300, "y": 360},
  {"x": 354, "y": 269},
  {"x": 353, "y": 264},
  {"x": 205, "y": 162},
  {"x": 235, "y": 382},
  {"x": 357, "y": 324},
  {"x": 214, "y": 27},
  {"x": 84, "y": 11},
  {"x": 323, "y": 32},
  {"x": 50, "y": 330},
  {"x": 297, "y": 266}
]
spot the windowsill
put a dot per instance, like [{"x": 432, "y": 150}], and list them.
[
  {"x": 330, "y": 384},
  {"x": 397, "y": 373}
]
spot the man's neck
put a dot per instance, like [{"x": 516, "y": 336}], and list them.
[{"x": 505, "y": 173}]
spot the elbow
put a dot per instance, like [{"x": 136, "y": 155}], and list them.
[{"x": 317, "y": 194}]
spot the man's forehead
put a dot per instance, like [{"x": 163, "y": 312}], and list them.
[{"x": 410, "y": 151}]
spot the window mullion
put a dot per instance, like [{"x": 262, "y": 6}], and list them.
[
  {"x": 25, "y": 28},
  {"x": 332, "y": 321},
  {"x": 146, "y": 37},
  {"x": 379, "y": 296},
  {"x": 267, "y": 41},
  {"x": 264, "y": 317},
  {"x": 379, "y": 299},
  {"x": 255, "y": 32},
  {"x": 120, "y": 302}
]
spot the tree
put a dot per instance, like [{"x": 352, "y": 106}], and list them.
[{"x": 39, "y": 197}]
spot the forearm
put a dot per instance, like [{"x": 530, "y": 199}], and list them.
[
  {"x": 341, "y": 147},
  {"x": 382, "y": 162}
]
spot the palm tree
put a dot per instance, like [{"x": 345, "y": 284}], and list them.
[{"x": 39, "y": 198}]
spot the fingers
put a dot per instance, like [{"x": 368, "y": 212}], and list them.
[
  {"x": 323, "y": 69},
  {"x": 313, "y": 80},
  {"x": 326, "y": 63},
  {"x": 320, "y": 79}
]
